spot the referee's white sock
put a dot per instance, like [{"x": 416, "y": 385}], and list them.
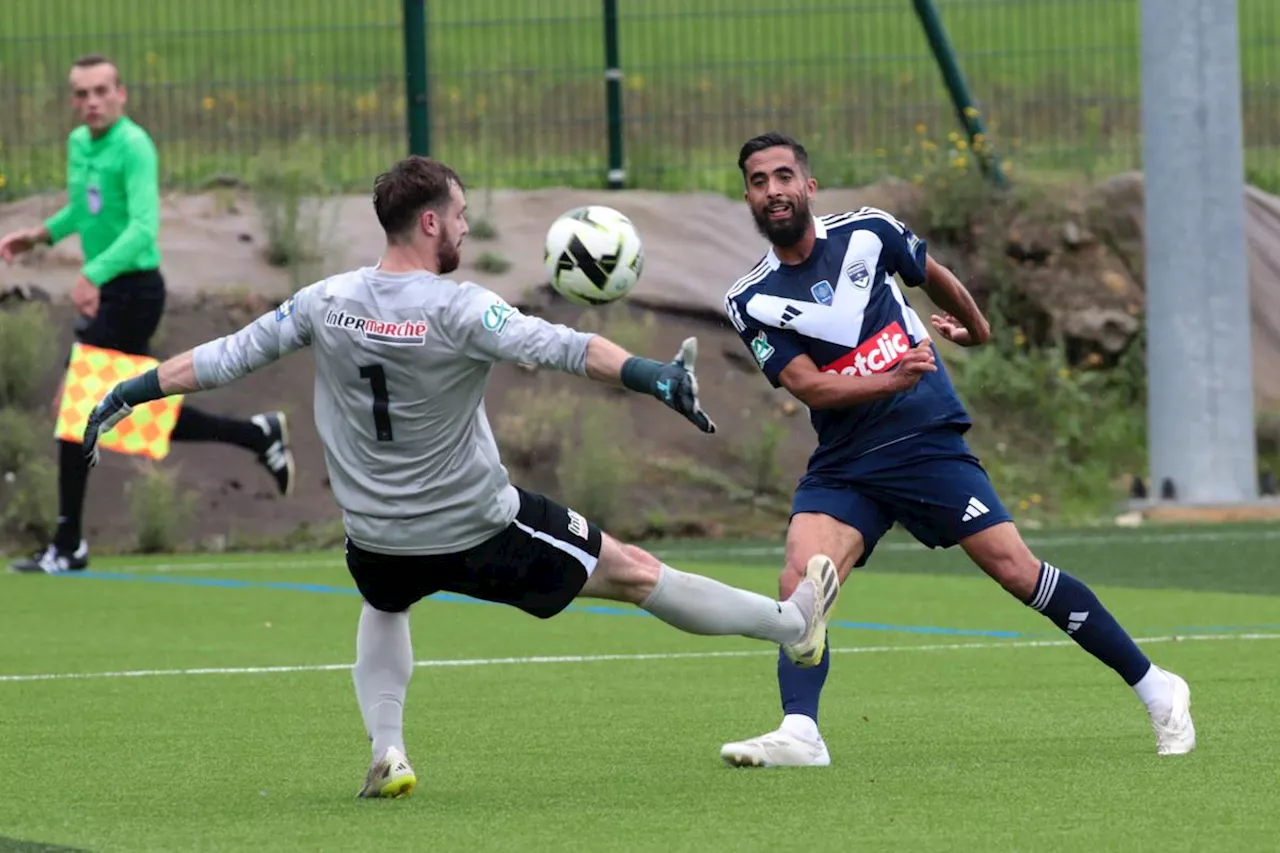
[
  {"x": 384, "y": 664},
  {"x": 700, "y": 605}
]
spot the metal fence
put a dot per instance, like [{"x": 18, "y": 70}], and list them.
[{"x": 516, "y": 92}]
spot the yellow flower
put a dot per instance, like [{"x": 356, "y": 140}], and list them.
[
  {"x": 3, "y": 180},
  {"x": 921, "y": 130},
  {"x": 959, "y": 162},
  {"x": 927, "y": 145},
  {"x": 368, "y": 102},
  {"x": 1019, "y": 339},
  {"x": 635, "y": 82},
  {"x": 208, "y": 102},
  {"x": 961, "y": 145},
  {"x": 1035, "y": 499},
  {"x": 953, "y": 136},
  {"x": 1023, "y": 505},
  {"x": 1063, "y": 373},
  {"x": 918, "y": 180},
  {"x": 971, "y": 112}
]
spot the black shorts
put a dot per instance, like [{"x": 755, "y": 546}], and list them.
[
  {"x": 129, "y": 310},
  {"x": 538, "y": 564}
]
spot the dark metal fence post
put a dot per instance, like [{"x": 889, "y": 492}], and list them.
[
  {"x": 613, "y": 94},
  {"x": 418, "y": 107},
  {"x": 953, "y": 77}
]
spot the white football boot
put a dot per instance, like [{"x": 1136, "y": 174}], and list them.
[
  {"x": 785, "y": 747},
  {"x": 1176, "y": 734},
  {"x": 822, "y": 573},
  {"x": 391, "y": 776}
]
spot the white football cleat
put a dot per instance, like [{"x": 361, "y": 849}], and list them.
[
  {"x": 1176, "y": 735},
  {"x": 391, "y": 776},
  {"x": 822, "y": 573},
  {"x": 776, "y": 749}
]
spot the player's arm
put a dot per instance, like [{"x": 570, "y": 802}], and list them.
[
  {"x": 961, "y": 321},
  {"x": 210, "y": 365},
  {"x": 142, "y": 200},
  {"x": 821, "y": 390},
  {"x": 487, "y": 328},
  {"x": 907, "y": 255},
  {"x": 782, "y": 357}
]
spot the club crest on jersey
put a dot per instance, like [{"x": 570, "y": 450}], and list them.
[
  {"x": 880, "y": 352},
  {"x": 858, "y": 275},
  {"x": 407, "y": 333},
  {"x": 93, "y": 200},
  {"x": 823, "y": 292}
]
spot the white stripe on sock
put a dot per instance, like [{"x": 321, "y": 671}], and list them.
[{"x": 1048, "y": 583}]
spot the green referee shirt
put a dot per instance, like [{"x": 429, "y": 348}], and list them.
[{"x": 113, "y": 201}]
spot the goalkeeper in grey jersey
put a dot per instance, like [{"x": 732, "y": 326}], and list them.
[{"x": 402, "y": 357}]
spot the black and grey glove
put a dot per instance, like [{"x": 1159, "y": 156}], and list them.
[
  {"x": 115, "y": 407},
  {"x": 672, "y": 382}
]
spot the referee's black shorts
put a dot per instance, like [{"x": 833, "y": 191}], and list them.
[
  {"x": 129, "y": 310},
  {"x": 538, "y": 564}
]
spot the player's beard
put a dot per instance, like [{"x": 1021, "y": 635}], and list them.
[
  {"x": 450, "y": 254},
  {"x": 784, "y": 233}
]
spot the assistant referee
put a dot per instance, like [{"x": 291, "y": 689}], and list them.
[{"x": 113, "y": 203}]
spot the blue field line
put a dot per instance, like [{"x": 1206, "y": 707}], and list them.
[{"x": 451, "y": 598}]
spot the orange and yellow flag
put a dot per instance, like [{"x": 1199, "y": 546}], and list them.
[{"x": 92, "y": 373}]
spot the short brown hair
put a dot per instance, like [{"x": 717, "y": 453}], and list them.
[
  {"x": 401, "y": 193},
  {"x": 92, "y": 60}
]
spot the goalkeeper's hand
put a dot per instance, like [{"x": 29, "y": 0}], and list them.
[
  {"x": 673, "y": 383},
  {"x": 109, "y": 412}
]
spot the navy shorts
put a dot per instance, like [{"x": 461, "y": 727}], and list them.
[{"x": 931, "y": 484}]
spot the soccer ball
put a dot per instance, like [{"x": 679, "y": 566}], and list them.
[{"x": 593, "y": 255}]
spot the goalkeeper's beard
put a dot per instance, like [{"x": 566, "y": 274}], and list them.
[
  {"x": 449, "y": 255},
  {"x": 784, "y": 233}
]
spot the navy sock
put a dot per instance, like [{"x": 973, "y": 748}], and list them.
[
  {"x": 1074, "y": 608},
  {"x": 802, "y": 686}
]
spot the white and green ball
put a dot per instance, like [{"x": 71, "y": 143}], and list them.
[{"x": 593, "y": 255}]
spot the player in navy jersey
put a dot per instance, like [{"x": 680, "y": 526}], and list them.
[{"x": 825, "y": 317}]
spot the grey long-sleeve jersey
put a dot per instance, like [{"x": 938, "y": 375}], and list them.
[{"x": 402, "y": 360}]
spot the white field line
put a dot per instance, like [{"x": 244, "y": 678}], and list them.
[
  {"x": 712, "y": 553},
  {"x": 565, "y": 659}
]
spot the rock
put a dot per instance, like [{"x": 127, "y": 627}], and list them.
[
  {"x": 1110, "y": 329},
  {"x": 24, "y": 293}
]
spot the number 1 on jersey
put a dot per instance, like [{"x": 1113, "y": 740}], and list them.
[{"x": 381, "y": 402}]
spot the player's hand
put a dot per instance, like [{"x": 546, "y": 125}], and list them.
[
  {"x": 955, "y": 331},
  {"x": 915, "y": 364},
  {"x": 17, "y": 242},
  {"x": 678, "y": 387},
  {"x": 104, "y": 416}
]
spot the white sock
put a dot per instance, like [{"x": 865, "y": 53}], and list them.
[
  {"x": 801, "y": 726},
  {"x": 1155, "y": 690},
  {"x": 700, "y": 605},
  {"x": 384, "y": 664}
]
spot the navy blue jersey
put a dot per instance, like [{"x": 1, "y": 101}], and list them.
[{"x": 842, "y": 308}]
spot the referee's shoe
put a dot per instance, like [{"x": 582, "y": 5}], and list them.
[{"x": 276, "y": 456}]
